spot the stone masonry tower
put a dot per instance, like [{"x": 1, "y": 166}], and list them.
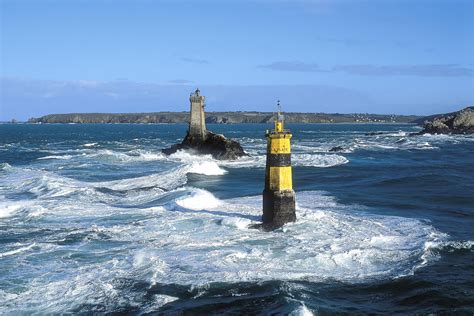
[
  {"x": 204, "y": 142},
  {"x": 278, "y": 195},
  {"x": 197, "y": 121}
]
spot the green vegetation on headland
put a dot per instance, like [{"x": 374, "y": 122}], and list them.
[{"x": 221, "y": 118}]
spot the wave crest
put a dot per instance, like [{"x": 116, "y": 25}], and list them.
[{"x": 5, "y": 166}]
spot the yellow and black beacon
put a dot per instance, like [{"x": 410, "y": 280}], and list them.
[{"x": 278, "y": 195}]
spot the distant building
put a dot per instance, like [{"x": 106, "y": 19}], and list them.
[{"x": 197, "y": 120}]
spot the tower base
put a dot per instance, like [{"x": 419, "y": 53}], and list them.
[{"x": 278, "y": 208}]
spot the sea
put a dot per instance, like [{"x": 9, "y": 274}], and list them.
[{"x": 95, "y": 219}]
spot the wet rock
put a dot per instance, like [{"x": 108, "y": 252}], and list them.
[
  {"x": 435, "y": 127},
  {"x": 336, "y": 149},
  {"x": 374, "y": 133},
  {"x": 216, "y": 145},
  {"x": 461, "y": 122}
]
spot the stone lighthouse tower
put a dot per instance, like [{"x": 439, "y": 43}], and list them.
[
  {"x": 197, "y": 121},
  {"x": 278, "y": 195}
]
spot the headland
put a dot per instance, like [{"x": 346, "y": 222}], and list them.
[{"x": 222, "y": 118}]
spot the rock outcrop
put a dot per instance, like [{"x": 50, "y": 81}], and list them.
[
  {"x": 216, "y": 145},
  {"x": 336, "y": 149},
  {"x": 461, "y": 122}
]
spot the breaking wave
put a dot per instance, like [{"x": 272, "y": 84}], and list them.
[
  {"x": 199, "y": 200},
  {"x": 451, "y": 246},
  {"x": 63, "y": 157},
  {"x": 108, "y": 155},
  {"x": 297, "y": 160},
  {"x": 106, "y": 237},
  {"x": 5, "y": 166},
  {"x": 194, "y": 238},
  {"x": 17, "y": 251},
  {"x": 7, "y": 209},
  {"x": 48, "y": 186},
  {"x": 202, "y": 164},
  {"x": 321, "y": 161}
]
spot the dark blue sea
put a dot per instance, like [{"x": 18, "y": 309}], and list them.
[{"x": 94, "y": 219}]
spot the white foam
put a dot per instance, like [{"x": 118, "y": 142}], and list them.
[
  {"x": 148, "y": 156},
  {"x": 158, "y": 301},
  {"x": 196, "y": 238},
  {"x": 189, "y": 156},
  {"x": 166, "y": 180},
  {"x": 130, "y": 156},
  {"x": 49, "y": 185},
  {"x": 208, "y": 168},
  {"x": 301, "y": 311},
  {"x": 172, "y": 234},
  {"x": 6, "y": 297},
  {"x": 386, "y": 143},
  {"x": 450, "y": 245},
  {"x": 199, "y": 200},
  {"x": 237, "y": 222},
  {"x": 63, "y": 157},
  {"x": 205, "y": 164},
  {"x": 437, "y": 136},
  {"x": 329, "y": 241},
  {"x": 257, "y": 159},
  {"x": 297, "y": 159},
  {"x": 200, "y": 164},
  {"x": 54, "y": 192},
  {"x": 17, "y": 251},
  {"x": 107, "y": 155},
  {"x": 5, "y": 166},
  {"x": 9, "y": 209},
  {"x": 156, "y": 209},
  {"x": 386, "y": 242},
  {"x": 396, "y": 134},
  {"x": 321, "y": 161}
]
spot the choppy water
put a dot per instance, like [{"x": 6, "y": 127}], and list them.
[{"x": 93, "y": 218}]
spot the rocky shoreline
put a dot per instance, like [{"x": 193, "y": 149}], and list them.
[{"x": 460, "y": 122}]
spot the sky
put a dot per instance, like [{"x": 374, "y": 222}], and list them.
[{"x": 385, "y": 56}]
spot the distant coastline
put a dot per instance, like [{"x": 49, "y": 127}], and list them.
[{"x": 221, "y": 118}]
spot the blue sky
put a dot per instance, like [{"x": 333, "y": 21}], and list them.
[{"x": 408, "y": 57}]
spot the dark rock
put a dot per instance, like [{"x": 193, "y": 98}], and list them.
[
  {"x": 436, "y": 127},
  {"x": 461, "y": 122},
  {"x": 336, "y": 149},
  {"x": 374, "y": 133},
  {"x": 215, "y": 144}
]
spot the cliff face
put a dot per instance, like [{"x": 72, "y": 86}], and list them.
[
  {"x": 220, "y": 118},
  {"x": 461, "y": 122}
]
